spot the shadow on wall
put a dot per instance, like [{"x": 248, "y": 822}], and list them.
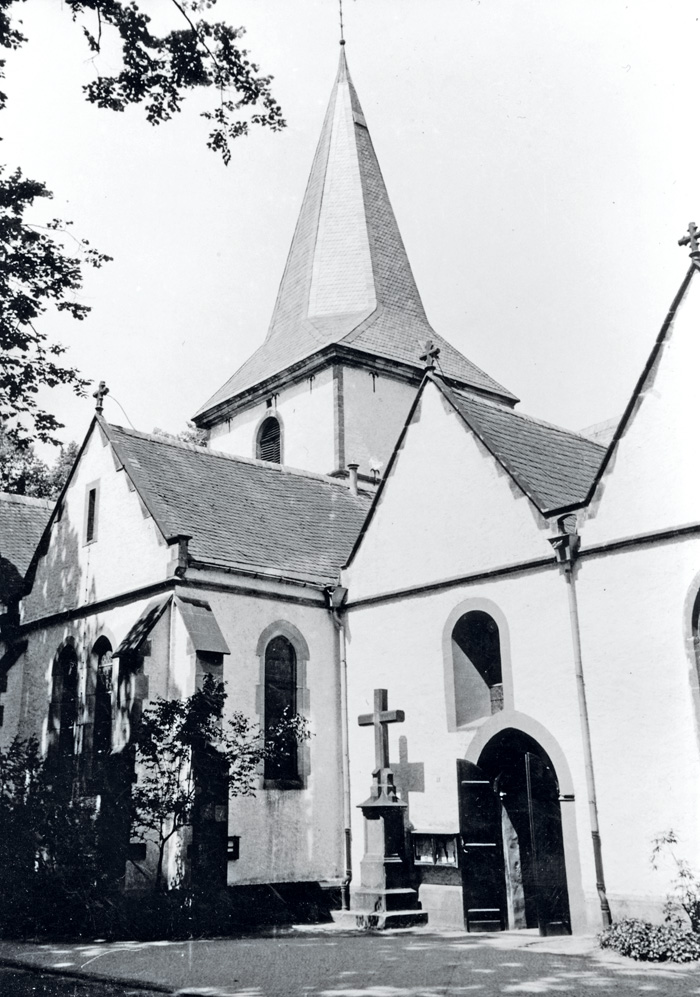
[{"x": 56, "y": 587}]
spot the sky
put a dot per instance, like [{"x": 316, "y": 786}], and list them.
[{"x": 541, "y": 158}]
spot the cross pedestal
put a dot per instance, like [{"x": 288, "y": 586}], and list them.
[{"x": 385, "y": 898}]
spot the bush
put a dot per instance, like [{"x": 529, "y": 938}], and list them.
[{"x": 649, "y": 942}]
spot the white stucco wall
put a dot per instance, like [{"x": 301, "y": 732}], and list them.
[
  {"x": 306, "y": 412},
  {"x": 653, "y": 481},
  {"x": 642, "y": 686},
  {"x": 375, "y": 410},
  {"x": 405, "y": 646},
  {"x": 287, "y": 835},
  {"x": 448, "y": 509},
  {"x": 128, "y": 552}
]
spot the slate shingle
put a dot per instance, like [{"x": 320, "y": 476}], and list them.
[
  {"x": 553, "y": 466},
  {"x": 22, "y": 522},
  {"x": 242, "y": 512}
]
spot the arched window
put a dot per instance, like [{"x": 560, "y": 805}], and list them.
[
  {"x": 281, "y": 704},
  {"x": 63, "y": 712},
  {"x": 269, "y": 446},
  {"x": 476, "y": 657},
  {"x": 102, "y": 716}
]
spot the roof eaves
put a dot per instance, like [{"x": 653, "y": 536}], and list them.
[{"x": 316, "y": 579}]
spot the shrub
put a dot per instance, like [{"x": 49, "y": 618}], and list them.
[{"x": 649, "y": 942}]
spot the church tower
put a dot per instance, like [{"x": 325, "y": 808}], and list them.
[{"x": 335, "y": 377}]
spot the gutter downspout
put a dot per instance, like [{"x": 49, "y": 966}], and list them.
[
  {"x": 336, "y": 599},
  {"x": 566, "y": 549}
]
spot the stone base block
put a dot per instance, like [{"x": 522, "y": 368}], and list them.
[
  {"x": 384, "y": 920},
  {"x": 371, "y": 900}
]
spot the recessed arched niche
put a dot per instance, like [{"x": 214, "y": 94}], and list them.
[{"x": 476, "y": 665}]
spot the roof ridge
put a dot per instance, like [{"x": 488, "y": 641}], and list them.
[
  {"x": 236, "y": 458},
  {"x": 44, "y": 503}
]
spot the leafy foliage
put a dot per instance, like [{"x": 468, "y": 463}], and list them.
[
  {"x": 685, "y": 895},
  {"x": 39, "y": 266},
  {"x": 23, "y": 473},
  {"x": 648, "y": 942},
  {"x": 36, "y": 271},
  {"x": 168, "y": 739},
  {"x": 49, "y": 867},
  {"x": 192, "y": 434}
]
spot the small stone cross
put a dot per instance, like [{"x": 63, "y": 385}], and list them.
[
  {"x": 691, "y": 239},
  {"x": 99, "y": 396},
  {"x": 380, "y": 719},
  {"x": 430, "y": 353}
]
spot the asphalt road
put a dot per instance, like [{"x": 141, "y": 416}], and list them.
[{"x": 343, "y": 965}]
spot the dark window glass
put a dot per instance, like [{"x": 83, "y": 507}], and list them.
[
  {"x": 63, "y": 718},
  {"x": 102, "y": 730},
  {"x": 269, "y": 441},
  {"x": 91, "y": 510},
  {"x": 280, "y": 704}
]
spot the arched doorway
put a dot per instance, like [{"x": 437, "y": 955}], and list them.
[{"x": 513, "y": 869}]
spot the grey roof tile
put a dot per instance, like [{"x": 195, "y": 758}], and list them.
[
  {"x": 553, "y": 466},
  {"x": 243, "y": 513},
  {"x": 22, "y": 522}
]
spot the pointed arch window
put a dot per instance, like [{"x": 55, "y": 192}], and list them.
[
  {"x": 102, "y": 719},
  {"x": 63, "y": 713},
  {"x": 281, "y": 704},
  {"x": 269, "y": 443}
]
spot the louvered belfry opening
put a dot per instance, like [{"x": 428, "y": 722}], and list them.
[{"x": 270, "y": 441}]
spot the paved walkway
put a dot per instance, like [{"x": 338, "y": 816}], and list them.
[{"x": 332, "y": 962}]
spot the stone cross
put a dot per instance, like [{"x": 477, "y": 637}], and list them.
[
  {"x": 691, "y": 239},
  {"x": 430, "y": 353},
  {"x": 99, "y": 396},
  {"x": 380, "y": 719}
]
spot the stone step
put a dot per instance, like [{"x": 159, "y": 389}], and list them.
[
  {"x": 399, "y": 898},
  {"x": 388, "y": 919}
]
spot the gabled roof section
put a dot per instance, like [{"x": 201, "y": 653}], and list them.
[
  {"x": 22, "y": 523},
  {"x": 240, "y": 513},
  {"x": 347, "y": 279},
  {"x": 552, "y": 466}
]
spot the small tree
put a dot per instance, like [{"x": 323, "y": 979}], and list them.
[
  {"x": 169, "y": 739},
  {"x": 685, "y": 891}
]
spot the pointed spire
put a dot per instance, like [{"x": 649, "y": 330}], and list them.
[
  {"x": 347, "y": 278},
  {"x": 347, "y": 256}
]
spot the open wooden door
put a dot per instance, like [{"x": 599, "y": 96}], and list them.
[
  {"x": 483, "y": 875},
  {"x": 547, "y": 848}
]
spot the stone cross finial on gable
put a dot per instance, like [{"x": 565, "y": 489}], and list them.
[
  {"x": 691, "y": 239},
  {"x": 380, "y": 719},
  {"x": 99, "y": 396},
  {"x": 430, "y": 354}
]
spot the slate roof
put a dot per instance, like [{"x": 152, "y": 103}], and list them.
[
  {"x": 243, "y": 513},
  {"x": 347, "y": 279},
  {"x": 553, "y": 466},
  {"x": 22, "y": 522}
]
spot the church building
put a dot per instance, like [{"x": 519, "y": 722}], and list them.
[{"x": 375, "y": 530}]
